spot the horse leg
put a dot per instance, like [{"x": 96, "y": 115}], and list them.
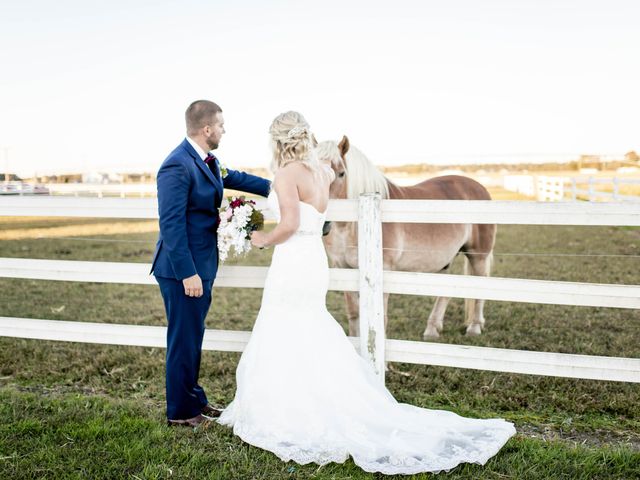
[
  {"x": 353, "y": 312},
  {"x": 436, "y": 317},
  {"x": 479, "y": 264}
]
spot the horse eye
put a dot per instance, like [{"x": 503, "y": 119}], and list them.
[{"x": 341, "y": 174}]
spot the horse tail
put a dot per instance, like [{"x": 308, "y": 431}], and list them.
[{"x": 470, "y": 303}]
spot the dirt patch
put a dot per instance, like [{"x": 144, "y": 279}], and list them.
[{"x": 113, "y": 228}]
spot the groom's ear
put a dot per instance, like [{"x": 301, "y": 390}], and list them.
[{"x": 343, "y": 146}]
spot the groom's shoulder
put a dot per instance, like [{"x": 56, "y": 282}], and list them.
[{"x": 179, "y": 155}]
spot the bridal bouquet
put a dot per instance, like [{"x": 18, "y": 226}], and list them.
[{"x": 238, "y": 218}]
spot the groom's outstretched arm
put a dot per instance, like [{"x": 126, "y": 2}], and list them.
[
  {"x": 173, "y": 194},
  {"x": 245, "y": 182}
]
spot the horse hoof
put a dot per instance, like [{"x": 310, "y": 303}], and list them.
[
  {"x": 474, "y": 329},
  {"x": 430, "y": 333}
]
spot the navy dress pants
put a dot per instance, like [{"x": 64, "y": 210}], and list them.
[{"x": 185, "y": 330}]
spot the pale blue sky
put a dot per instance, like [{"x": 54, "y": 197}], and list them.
[{"x": 103, "y": 85}]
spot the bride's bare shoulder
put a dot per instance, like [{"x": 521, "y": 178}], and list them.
[{"x": 292, "y": 172}]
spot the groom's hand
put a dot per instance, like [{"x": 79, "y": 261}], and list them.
[{"x": 192, "y": 286}]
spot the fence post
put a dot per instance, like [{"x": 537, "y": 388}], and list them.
[
  {"x": 616, "y": 188},
  {"x": 574, "y": 188},
  {"x": 592, "y": 196},
  {"x": 372, "y": 334}
]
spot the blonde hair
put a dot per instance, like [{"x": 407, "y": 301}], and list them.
[{"x": 292, "y": 141}]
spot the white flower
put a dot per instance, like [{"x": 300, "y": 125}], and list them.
[
  {"x": 233, "y": 229},
  {"x": 295, "y": 131}
]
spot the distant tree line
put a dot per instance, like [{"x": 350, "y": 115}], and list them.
[{"x": 584, "y": 161}]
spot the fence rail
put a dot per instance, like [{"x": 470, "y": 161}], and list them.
[
  {"x": 478, "y": 358},
  {"x": 100, "y": 189},
  {"x": 399, "y": 211},
  {"x": 341, "y": 279}
]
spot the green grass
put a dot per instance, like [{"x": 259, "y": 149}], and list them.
[
  {"x": 72, "y": 410},
  {"x": 49, "y": 435}
]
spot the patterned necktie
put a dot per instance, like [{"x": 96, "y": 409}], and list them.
[{"x": 213, "y": 165}]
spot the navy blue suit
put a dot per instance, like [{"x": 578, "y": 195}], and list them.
[{"x": 189, "y": 196}]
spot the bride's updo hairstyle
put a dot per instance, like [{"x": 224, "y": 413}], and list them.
[{"x": 292, "y": 141}]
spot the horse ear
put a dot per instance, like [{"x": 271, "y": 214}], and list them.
[{"x": 343, "y": 146}]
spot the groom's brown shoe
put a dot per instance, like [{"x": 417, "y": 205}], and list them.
[
  {"x": 210, "y": 411},
  {"x": 197, "y": 421}
]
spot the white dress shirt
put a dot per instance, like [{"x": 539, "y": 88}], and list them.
[{"x": 197, "y": 148}]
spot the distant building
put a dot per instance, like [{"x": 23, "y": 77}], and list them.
[
  {"x": 632, "y": 156},
  {"x": 138, "y": 177},
  {"x": 101, "y": 178},
  {"x": 12, "y": 177}
]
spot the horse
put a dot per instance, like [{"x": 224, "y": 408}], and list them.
[{"x": 415, "y": 247}]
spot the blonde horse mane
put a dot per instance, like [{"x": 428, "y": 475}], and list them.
[{"x": 362, "y": 175}]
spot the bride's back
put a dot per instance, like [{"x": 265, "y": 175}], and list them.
[{"x": 312, "y": 183}]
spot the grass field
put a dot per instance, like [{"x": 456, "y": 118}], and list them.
[{"x": 89, "y": 411}]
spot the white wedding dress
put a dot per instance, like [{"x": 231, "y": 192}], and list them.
[{"x": 305, "y": 394}]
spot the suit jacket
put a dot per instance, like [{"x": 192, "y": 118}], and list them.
[{"x": 189, "y": 196}]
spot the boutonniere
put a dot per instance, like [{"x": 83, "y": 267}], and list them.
[{"x": 223, "y": 170}]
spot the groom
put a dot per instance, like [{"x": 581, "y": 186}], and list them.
[{"x": 190, "y": 189}]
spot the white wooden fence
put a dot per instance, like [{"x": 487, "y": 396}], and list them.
[
  {"x": 593, "y": 194},
  {"x": 121, "y": 190},
  {"x": 369, "y": 212},
  {"x": 555, "y": 188}
]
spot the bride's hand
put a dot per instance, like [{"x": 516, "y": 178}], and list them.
[{"x": 259, "y": 239}]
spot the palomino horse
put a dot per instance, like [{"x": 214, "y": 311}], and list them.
[{"x": 417, "y": 247}]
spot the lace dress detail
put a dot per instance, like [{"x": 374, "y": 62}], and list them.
[{"x": 305, "y": 394}]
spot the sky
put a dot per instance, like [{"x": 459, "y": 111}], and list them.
[{"x": 102, "y": 86}]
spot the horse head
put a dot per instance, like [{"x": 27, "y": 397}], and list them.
[
  {"x": 355, "y": 173},
  {"x": 335, "y": 154}
]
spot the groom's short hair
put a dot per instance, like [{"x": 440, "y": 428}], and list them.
[{"x": 199, "y": 114}]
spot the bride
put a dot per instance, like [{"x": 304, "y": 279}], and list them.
[{"x": 303, "y": 392}]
